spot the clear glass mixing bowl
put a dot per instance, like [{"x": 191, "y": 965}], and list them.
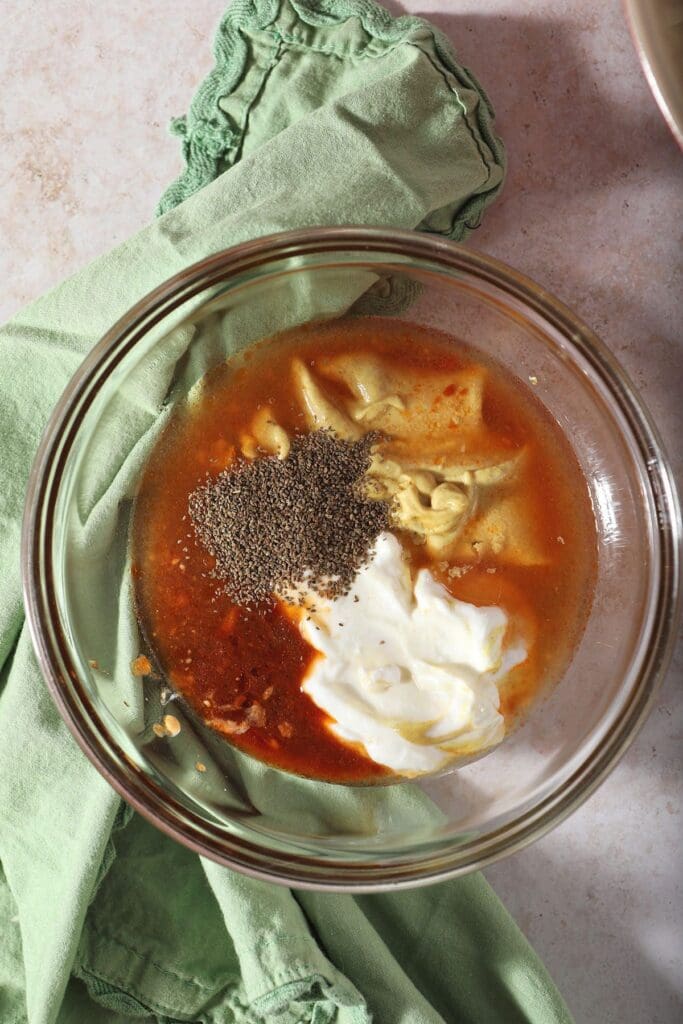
[{"x": 77, "y": 583}]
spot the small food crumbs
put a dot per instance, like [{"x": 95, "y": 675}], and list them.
[
  {"x": 491, "y": 571},
  {"x": 171, "y": 725},
  {"x": 560, "y": 540},
  {"x": 200, "y": 766},
  {"x": 285, "y": 729},
  {"x": 256, "y": 715},
  {"x": 533, "y": 379},
  {"x": 268, "y": 692},
  {"x": 233, "y": 728},
  {"x": 141, "y": 666},
  {"x": 158, "y": 730},
  {"x": 206, "y": 703},
  {"x": 457, "y": 571},
  {"x": 93, "y": 663}
]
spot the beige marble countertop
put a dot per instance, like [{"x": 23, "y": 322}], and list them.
[{"x": 592, "y": 209}]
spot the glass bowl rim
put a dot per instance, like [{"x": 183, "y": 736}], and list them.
[{"x": 51, "y": 647}]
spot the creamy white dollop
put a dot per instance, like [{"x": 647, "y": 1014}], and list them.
[{"x": 408, "y": 671}]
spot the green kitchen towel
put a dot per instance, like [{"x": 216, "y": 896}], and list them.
[{"x": 326, "y": 112}]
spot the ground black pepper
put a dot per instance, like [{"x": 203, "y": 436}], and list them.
[{"x": 274, "y": 524}]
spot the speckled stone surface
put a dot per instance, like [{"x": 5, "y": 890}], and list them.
[{"x": 592, "y": 209}]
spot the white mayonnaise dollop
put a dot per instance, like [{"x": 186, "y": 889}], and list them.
[{"x": 408, "y": 671}]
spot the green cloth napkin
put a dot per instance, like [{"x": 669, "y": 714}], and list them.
[{"x": 316, "y": 113}]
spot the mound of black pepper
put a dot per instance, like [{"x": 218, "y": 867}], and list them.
[{"x": 274, "y": 524}]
